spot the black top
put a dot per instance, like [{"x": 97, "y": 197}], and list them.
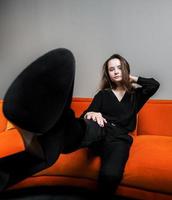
[{"x": 123, "y": 113}]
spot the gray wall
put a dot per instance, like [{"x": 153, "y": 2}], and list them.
[{"x": 93, "y": 29}]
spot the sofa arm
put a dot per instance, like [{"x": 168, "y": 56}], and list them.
[{"x": 11, "y": 142}]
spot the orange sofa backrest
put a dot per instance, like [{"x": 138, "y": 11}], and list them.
[
  {"x": 155, "y": 118},
  {"x": 80, "y": 104}
]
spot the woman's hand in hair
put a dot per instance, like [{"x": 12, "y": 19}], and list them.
[
  {"x": 97, "y": 117},
  {"x": 133, "y": 79}
]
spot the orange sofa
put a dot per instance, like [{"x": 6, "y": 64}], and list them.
[{"x": 148, "y": 172}]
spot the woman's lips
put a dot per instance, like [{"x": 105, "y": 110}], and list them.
[{"x": 117, "y": 77}]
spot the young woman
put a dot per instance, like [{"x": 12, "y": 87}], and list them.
[
  {"x": 38, "y": 103},
  {"x": 112, "y": 116}
]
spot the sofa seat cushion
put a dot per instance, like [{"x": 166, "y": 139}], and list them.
[
  {"x": 79, "y": 164},
  {"x": 11, "y": 142},
  {"x": 150, "y": 163},
  {"x": 148, "y": 167}
]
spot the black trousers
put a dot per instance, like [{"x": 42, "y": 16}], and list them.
[
  {"x": 39, "y": 101},
  {"x": 112, "y": 144}
]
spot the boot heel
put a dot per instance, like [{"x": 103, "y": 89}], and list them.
[{"x": 32, "y": 144}]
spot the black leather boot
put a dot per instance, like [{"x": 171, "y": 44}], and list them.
[
  {"x": 32, "y": 145},
  {"x": 36, "y": 99},
  {"x": 35, "y": 103}
]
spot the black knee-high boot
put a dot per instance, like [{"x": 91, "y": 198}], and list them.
[{"x": 36, "y": 102}]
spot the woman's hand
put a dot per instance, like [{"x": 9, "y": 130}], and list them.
[
  {"x": 133, "y": 79},
  {"x": 97, "y": 117}
]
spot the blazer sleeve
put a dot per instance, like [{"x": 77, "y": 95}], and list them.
[
  {"x": 95, "y": 105},
  {"x": 148, "y": 88}
]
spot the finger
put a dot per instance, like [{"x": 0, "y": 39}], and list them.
[
  {"x": 100, "y": 122},
  {"x": 104, "y": 120},
  {"x": 88, "y": 117},
  {"x": 93, "y": 117}
]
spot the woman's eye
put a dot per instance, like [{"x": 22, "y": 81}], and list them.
[
  {"x": 119, "y": 67},
  {"x": 111, "y": 69}
]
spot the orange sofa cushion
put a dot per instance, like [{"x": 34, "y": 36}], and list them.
[
  {"x": 148, "y": 167},
  {"x": 150, "y": 164},
  {"x": 155, "y": 118},
  {"x": 11, "y": 142},
  {"x": 83, "y": 164},
  {"x": 78, "y": 105}
]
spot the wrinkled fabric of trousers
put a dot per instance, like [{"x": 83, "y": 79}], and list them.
[{"x": 112, "y": 144}]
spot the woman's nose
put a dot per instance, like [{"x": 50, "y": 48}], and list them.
[{"x": 116, "y": 71}]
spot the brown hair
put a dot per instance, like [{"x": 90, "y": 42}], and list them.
[{"x": 125, "y": 67}]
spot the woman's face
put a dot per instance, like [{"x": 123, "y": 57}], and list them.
[{"x": 114, "y": 70}]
